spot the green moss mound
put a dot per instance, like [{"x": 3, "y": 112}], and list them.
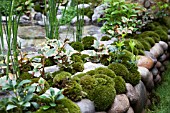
[
  {"x": 88, "y": 41},
  {"x": 120, "y": 70},
  {"x": 25, "y": 75},
  {"x": 76, "y": 58},
  {"x": 63, "y": 106},
  {"x": 88, "y": 11},
  {"x": 84, "y": 57},
  {"x": 150, "y": 40},
  {"x": 166, "y": 21},
  {"x": 163, "y": 35},
  {"x": 120, "y": 85},
  {"x": 134, "y": 77},
  {"x": 105, "y": 38},
  {"x": 80, "y": 75},
  {"x": 78, "y": 66},
  {"x": 77, "y": 46},
  {"x": 146, "y": 45},
  {"x": 138, "y": 44},
  {"x": 104, "y": 60},
  {"x": 91, "y": 72},
  {"x": 151, "y": 34},
  {"x": 99, "y": 84},
  {"x": 105, "y": 71},
  {"x": 73, "y": 91},
  {"x": 161, "y": 27}
]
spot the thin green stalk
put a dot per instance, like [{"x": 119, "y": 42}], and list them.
[{"x": 1, "y": 35}]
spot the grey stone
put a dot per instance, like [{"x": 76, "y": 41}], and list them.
[
  {"x": 145, "y": 73},
  {"x": 162, "y": 69},
  {"x": 154, "y": 71},
  {"x": 150, "y": 83},
  {"x": 169, "y": 36},
  {"x": 131, "y": 94},
  {"x": 157, "y": 79},
  {"x": 141, "y": 91},
  {"x": 164, "y": 45},
  {"x": 130, "y": 110},
  {"x": 86, "y": 106},
  {"x": 38, "y": 16},
  {"x": 162, "y": 58},
  {"x": 157, "y": 50},
  {"x": 80, "y": 6},
  {"x": 51, "y": 69},
  {"x": 121, "y": 104},
  {"x": 86, "y": 20},
  {"x": 158, "y": 64}
]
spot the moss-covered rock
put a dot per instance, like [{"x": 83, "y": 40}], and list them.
[
  {"x": 105, "y": 38},
  {"x": 60, "y": 79},
  {"x": 120, "y": 85},
  {"x": 163, "y": 35},
  {"x": 120, "y": 70},
  {"x": 151, "y": 34},
  {"x": 150, "y": 40},
  {"x": 99, "y": 84},
  {"x": 161, "y": 27},
  {"x": 73, "y": 91},
  {"x": 77, "y": 46},
  {"x": 88, "y": 41},
  {"x": 78, "y": 66},
  {"x": 105, "y": 71}
]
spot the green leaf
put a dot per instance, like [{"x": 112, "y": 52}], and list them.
[
  {"x": 41, "y": 81},
  {"x": 23, "y": 82},
  {"x": 52, "y": 92},
  {"x": 27, "y": 104},
  {"x": 35, "y": 104},
  {"x": 28, "y": 97},
  {"x": 45, "y": 107},
  {"x": 52, "y": 104},
  {"x": 10, "y": 106}
]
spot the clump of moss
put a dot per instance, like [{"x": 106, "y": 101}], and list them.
[
  {"x": 166, "y": 21},
  {"x": 120, "y": 85},
  {"x": 161, "y": 27},
  {"x": 150, "y": 40},
  {"x": 48, "y": 62},
  {"x": 151, "y": 34},
  {"x": 163, "y": 35},
  {"x": 120, "y": 70},
  {"x": 138, "y": 44},
  {"x": 105, "y": 71},
  {"x": 91, "y": 72},
  {"x": 146, "y": 45},
  {"x": 61, "y": 78},
  {"x": 77, "y": 46},
  {"x": 80, "y": 75},
  {"x": 104, "y": 60},
  {"x": 76, "y": 58},
  {"x": 99, "y": 84},
  {"x": 78, "y": 66},
  {"x": 73, "y": 91},
  {"x": 84, "y": 57},
  {"x": 88, "y": 41},
  {"x": 25, "y": 75},
  {"x": 134, "y": 77},
  {"x": 63, "y": 106},
  {"x": 105, "y": 38}
]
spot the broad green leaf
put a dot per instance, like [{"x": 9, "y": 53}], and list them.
[
  {"x": 35, "y": 104},
  {"x": 45, "y": 107},
  {"x": 52, "y": 104},
  {"x": 23, "y": 82},
  {"x": 27, "y": 104},
  {"x": 10, "y": 106}
]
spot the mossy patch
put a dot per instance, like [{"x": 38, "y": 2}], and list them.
[
  {"x": 88, "y": 41},
  {"x": 105, "y": 38},
  {"x": 151, "y": 34},
  {"x": 77, "y": 46},
  {"x": 106, "y": 71},
  {"x": 120, "y": 85},
  {"x": 163, "y": 35}
]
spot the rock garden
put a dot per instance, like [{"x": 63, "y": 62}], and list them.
[{"x": 76, "y": 56}]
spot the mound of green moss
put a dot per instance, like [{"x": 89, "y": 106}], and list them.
[
  {"x": 120, "y": 85},
  {"x": 163, "y": 35},
  {"x": 76, "y": 58},
  {"x": 151, "y": 34},
  {"x": 166, "y": 21},
  {"x": 105, "y": 38},
  {"x": 134, "y": 77},
  {"x": 78, "y": 66},
  {"x": 77, "y": 46},
  {"x": 99, "y": 84},
  {"x": 25, "y": 75},
  {"x": 150, "y": 40},
  {"x": 146, "y": 44},
  {"x": 104, "y": 60},
  {"x": 105, "y": 71},
  {"x": 120, "y": 70},
  {"x": 88, "y": 41}
]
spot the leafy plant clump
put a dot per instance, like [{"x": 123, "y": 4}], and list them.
[{"x": 100, "y": 83}]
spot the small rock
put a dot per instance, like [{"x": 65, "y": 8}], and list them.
[
  {"x": 162, "y": 69},
  {"x": 80, "y": 6},
  {"x": 157, "y": 79},
  {"x": 131, "y": 94},
  {"x": 144, "y": 72},
  {"x": 145, "y": 61},
  {"x": 164, "y": 45},
  {"x": 162, "y": 58},
  {"x": 165, "y": 63},
  {"x": 38, "y": 16},
  {"x": 121, "y": 104},
  {"x": 168, "y": 35},
  {"x": 86, "y": 20},
  {"x": 157, "y": 50},
  {"x": 150, "y": 84},
  {"x": 130, "y": 110},
  {"x": 86, "y": 106},
  {"x": 148, "y": 54},
  {"x": 154, "y": 71},
  {"x": 141, "y": 91},
  {"x": 158, "y": 64}
]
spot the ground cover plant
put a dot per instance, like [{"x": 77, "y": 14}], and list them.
[{"x": 59, "y": 91}]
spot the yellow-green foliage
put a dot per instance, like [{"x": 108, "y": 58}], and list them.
[
  {"x": 151, "y": 34},
  {"x": 25, "y": 75},
  {"x": 120, "y": 85},
  {"x": 78, "y": 66},
  {"x": 163, "y": 35},
  {"x": 62, "y": 106},
  {"x": 138, "y": 45},
  {"x": 88, "y": 41},
  {"x": 146, "y": 44},
  {"x": 73, "y": 91},
  {"x": 99, "y": 84},
  {"x": 84, "y": 57},
  {"x": 161, "y": 27},
  {"x": 105, "y": 38},
  {"x": 120, "y": 70},
  {"x": 105, "y": 71},
  {"x": 166, "y": 21},
  {"x": 134, "y": 77},
  {"x": 77, "y": 46},
  {"x": 80, "y": 75},
  {"x": 76, "y": 58},
  {"x": 91, "y": 72},
  {"x": 150, "y": 40}
]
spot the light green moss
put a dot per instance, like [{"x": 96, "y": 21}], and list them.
[
  {"x": 151, "y": 34},
  {"x": 105, "y": 38},
  {"x": 120, "y": 85},
  {"x": 88, "y": 41},
  {"x": 150, "y": 40},
  {"x": 106, "y": 71},
  {"x": 78, "y": 66},
  {"x": 163, "y": 35},
  {"x": 77, "y": 46}
]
